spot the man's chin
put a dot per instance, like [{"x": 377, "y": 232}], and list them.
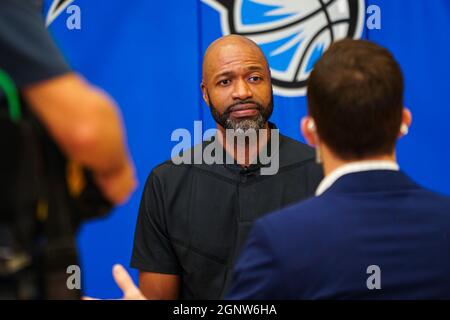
[
  {"x": 238, "y": 120},
  {"x": 246, "y": 124}
]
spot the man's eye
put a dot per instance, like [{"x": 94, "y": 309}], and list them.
[
  {"x": 224, "y": 82},
  {"x": 255, "y": 79}
]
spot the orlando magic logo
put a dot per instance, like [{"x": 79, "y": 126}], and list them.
[
  {"x": 56, "y": 8},
  {"x": 293, "y": 34}
]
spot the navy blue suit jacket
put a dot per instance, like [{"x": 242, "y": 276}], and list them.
[{"x": 322, "y": 248}]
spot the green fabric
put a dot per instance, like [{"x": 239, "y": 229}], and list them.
[{"x": 12, "y": 96}]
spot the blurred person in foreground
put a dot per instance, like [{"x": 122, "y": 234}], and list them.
[{"x": 64, "y": 157}]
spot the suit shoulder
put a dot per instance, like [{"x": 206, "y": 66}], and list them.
[
  {"x": 435, "y": 199},
  {"x": 439, "y": 196}
]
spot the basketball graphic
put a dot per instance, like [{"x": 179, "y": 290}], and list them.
[
  {"x": 293, "y": 34},
  {"x": 56, "y": 8}
]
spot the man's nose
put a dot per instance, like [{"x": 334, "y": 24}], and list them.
[{"x": 241, "y": 90}]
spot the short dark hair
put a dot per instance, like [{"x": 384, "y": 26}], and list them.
[{"x": 355, "y": 96}]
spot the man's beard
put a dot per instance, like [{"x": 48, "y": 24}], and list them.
[{"x": 255, "y": 123}]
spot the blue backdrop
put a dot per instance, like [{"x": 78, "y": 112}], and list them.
[{"x": 147, "y": 55}]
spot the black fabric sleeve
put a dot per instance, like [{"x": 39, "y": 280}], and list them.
[
  {"x": 27, "y": 51},
  {"x": 153, "y": 250}
]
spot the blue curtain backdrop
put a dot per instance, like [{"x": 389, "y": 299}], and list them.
[{"x": 147, "y": 55}]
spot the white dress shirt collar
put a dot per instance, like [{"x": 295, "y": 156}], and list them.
[{"x": 358, "y": 166}]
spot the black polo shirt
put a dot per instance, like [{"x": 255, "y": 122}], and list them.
[{"x": 194, "y": 219}]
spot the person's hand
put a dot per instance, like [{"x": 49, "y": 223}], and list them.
[
  {"x": 126, "y": 284},
  {"x": 117, "y": 186}
]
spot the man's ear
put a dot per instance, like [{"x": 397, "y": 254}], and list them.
[
  {"x": 406, "y": 122},
  {"x": 308, "y": 129},
  {"x": 204, "y": 93}
]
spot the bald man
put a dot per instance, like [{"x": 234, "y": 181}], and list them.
[{"x": 194, "y": 218}]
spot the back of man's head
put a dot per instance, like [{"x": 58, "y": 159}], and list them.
[{"x": 355, "y": 96}]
